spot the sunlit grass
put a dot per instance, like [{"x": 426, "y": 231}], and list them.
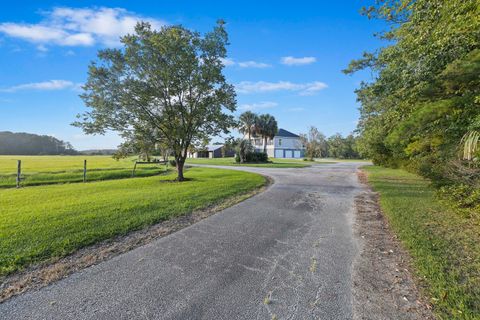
[
  {"x": 45, "y": 222},
  {"x": 445, "y": 245},
  {"x": 38, "y": 170}
]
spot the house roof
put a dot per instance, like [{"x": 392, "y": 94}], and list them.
[
  {"x": 286, "y": 134},
  {"x": 213, "y": 147}
]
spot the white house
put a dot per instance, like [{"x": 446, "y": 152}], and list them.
[{"x": 284, "y": 145}]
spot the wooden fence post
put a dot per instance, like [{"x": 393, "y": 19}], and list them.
[
  {"x": 84, "y": 170},
  {"x": 19, "y": 172},
  {"x": 134, "y": 167}
]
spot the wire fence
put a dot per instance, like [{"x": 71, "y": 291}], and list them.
[{"x": 25, "y": 173}]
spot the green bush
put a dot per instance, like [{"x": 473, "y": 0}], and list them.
[
  {"x": 464, "y": 196},
  {"x": 256, "y": 157},
  {"x": 173, "y": 163},
  {"x": 237, "y": 158}
]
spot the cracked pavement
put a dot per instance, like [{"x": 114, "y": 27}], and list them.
[{"x": 286, "y": 253}]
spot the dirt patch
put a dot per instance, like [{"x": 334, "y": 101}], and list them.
[
  {"x": 43, "y": 274},
  {"x": 384, "y": 288}
]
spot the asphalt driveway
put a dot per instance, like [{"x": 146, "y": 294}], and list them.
[{"x": 286, "y": 253}]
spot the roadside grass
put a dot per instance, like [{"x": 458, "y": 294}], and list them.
[
  {"x": 45, "y": 223},
  {"x": 39, "y": 170},
  {"x": 275, "y": 163},
  {"x": 444, "y": 244}
]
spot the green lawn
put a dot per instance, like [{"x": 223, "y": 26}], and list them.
[
  {"x": 444, "y": 244},
  {"x": 39, "y": 170},
  {"x": 275, "y": 163},
  {"x": 46, "y": 222}
]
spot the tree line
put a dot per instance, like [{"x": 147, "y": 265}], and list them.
[
  {"x": 317, "y": 145},
  {"x": 21, "y": 143},
  {"x": 421, "y": 111}
]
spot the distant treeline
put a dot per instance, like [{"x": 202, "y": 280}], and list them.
[
  {"x": 21, "y": 143},
  {"x": 317, "y": 145},
  {"x": 99, "y": 152}
]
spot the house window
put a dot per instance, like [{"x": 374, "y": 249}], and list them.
[{"x": 279, "y": 142}]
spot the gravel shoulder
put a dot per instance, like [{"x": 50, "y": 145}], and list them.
[{"x": 383, "y": 284}]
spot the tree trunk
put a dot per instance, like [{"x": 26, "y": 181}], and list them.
[
  {"x": 180, "y": 164},
  {"x": 265, "y": 144}
]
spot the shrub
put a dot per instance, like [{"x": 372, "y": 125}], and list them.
[
  {"x": 244, "y": 148},
  {"x": 173, "y": 163},
  {"x": 237, "y": 158},
  {"x": 256, "y": 157},
  {"x": 462, "y": 195}
]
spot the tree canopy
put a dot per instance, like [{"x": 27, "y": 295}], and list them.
[
  {"x": 317, "y": 145},
  {"x": 168, "y": 80},
  {"x": 425, "y": 93}
]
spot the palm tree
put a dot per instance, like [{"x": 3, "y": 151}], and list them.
[
  {"x": 267, "y": 127},
  {"x": 247, "y": 123}
]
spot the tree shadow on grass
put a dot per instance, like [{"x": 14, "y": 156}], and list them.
[{"x": 175, "y": 180}]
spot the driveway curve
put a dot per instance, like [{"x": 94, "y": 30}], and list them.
[{"x": 286, "y": 253}]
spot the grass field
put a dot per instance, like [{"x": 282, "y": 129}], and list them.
[
  {"x": 275, "y": 163},
  {"x": 47, "y": 222},
  {"x": 39, "y": 170},
  {"x": 445, "y": 245}
]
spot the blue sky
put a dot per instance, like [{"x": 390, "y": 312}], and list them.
[{"x": 285, "y": 58}]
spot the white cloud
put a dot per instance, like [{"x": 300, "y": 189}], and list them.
[
  {"x": 312, "y": 88},
  {"x": 42, "y": 48},
  {"x": 42, "y": 86},
  {"x": 258, "y": 106},
  {"x": 78, "y": 27},
  {"x": 227, "y": 62},
  {"x": 253, "y": 64},
  {"x": 292, "y": 61},
  {"x": 304, "y": 89}
]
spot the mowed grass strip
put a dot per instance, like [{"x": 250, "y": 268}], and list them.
[
  {"x": 43, "y": 223},
  {"x": 40, "y": 170},
  {"x": 444, "y": 245},
  {"x": 275, "y": 163}
]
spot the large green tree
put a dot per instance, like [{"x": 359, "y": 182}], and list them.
[
  {"x": 169, "y": 80},
  {"x": 424, "y": 94}
]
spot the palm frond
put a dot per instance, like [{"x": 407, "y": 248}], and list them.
[{"x": 469, "y": 144}]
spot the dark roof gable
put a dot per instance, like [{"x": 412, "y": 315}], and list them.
[{"x": 286, "y": 134}]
